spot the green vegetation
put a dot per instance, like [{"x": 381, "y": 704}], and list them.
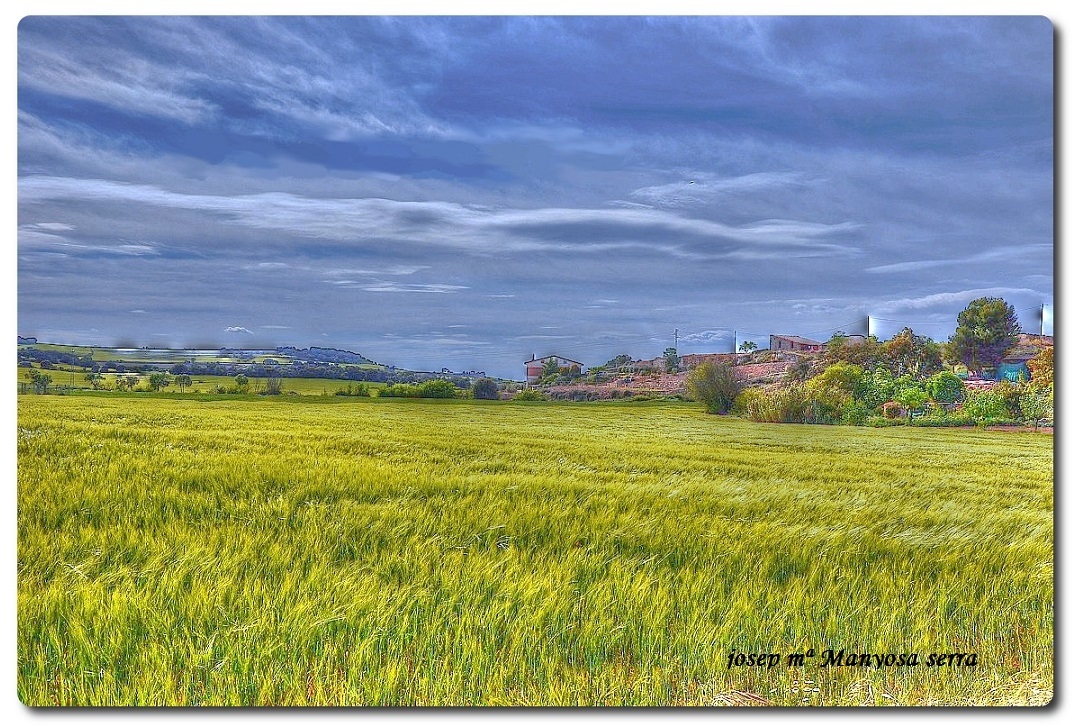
[
  {"x": 486, "y": 388},
  {"x": 352, "y": 389},
  {"x": 432, "y": 389},
  {"x": 986, "y": 329},
  {"x": 293, "y": 551},
  {"x": 714, "y": 385},
  {"x": 856, "y": 381}
]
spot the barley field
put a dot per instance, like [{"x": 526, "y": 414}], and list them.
[{"x": 391, "y": 552}]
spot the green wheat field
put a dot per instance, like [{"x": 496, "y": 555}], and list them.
[{"x": 309, "y": 551}]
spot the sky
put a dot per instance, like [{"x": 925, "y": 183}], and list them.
[{"x": 468, "y": 192}]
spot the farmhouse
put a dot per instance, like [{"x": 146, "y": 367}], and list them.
[
  {"x": 794, "y": 343},
  {"x": 1013, "y": 366},
  {"x": 535, "y": 366}
]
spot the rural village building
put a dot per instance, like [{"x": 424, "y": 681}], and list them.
[
  {"x": 794, "y": 343},
  {"x": 535, "y": 366}
]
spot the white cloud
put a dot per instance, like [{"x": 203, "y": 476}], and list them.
[
  {"x": 961, "y": 298},
  {"x": 708, "y": 336},
  {"x": 238, "y": 329},
  {"x": 476, "y": 229},
  {"x": 391, "y": 287}
]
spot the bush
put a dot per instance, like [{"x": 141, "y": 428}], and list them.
[
  {"x": 945, "y": 386},
  {"x": 438, "y": 389},
  {"x": 530, "y": 395},
  {"x": 878, "y": 421},
  {"x": 1036, "y": 406},
  {"x": 714, "y": 385},
  {"x": 855, "y": 413},
  {"x": 1012, "y": 398},
  {"x": 486, "y": 388},
  {"x": 985, "y": 406},
  {"x": 354, "y": 390},
  {"x": 911, "y": 396},
  {"x": 748, "y": 403},
  {"x": 875, "y": 388},
  {"x": 942, "y": 420},
  {"x": 796, "y": 404},
  {"x": 400, "y": 391}
]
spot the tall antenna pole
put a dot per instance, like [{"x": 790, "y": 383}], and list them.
[{"x": 676, "y": 340}]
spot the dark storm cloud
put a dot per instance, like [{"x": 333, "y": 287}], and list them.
[{"x": 438, "y": 191}]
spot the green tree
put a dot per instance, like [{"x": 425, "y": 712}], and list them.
[
  {"x": 486, "y": 388},
  {"x": 1036, "y": 406},
  {"x": 158, "y": 380},
  {"x": 747, "y": 346},
  {"x": 867, "y": 352},
  {"x": 714, "y": 385},
  {"x": 95, "y": 379},
  {"x": 671, "y": 360},
  {"x": 618, "y": 363},
  {"x": 273, "y": 385},
  {"x": 1042, "y": 369},
  {"x": 39, "y": 380},
  {"x": 183, "y": 381},
  {"x": 984, "y": 405},
  {"x": 840, "y": 377},
  {"x": 911, "y": 397},
  {"x": 946, "y": 387},
  {"x": 437, "y": 389},
  {"x": 987, "y": 328},
  {"x": 907, "y": 353},
  {"x": 550, "y": 369},
  {"x": 876, "y": 387},
  {"x": 242, "y": 384}
]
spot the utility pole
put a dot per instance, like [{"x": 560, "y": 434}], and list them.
[{"x": 676, "y": 341}]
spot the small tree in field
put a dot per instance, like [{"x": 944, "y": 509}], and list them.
[
  {"x": 182, "y": 381},
  {"x": 39, "y": 380},
  {"x": 273, "y": 385},
  {"x": 714, "y": 385},
  {"x": 158, "y": 380}
]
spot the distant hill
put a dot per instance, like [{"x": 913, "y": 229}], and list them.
[
  {"x": 27, "y": 341},
  {"x": 323, "y": 355}
]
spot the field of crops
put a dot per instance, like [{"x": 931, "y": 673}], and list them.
[{"x": 300, "y": 551}]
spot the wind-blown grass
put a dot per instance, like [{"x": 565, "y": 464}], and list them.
[{"x": 278, "y": 552}]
